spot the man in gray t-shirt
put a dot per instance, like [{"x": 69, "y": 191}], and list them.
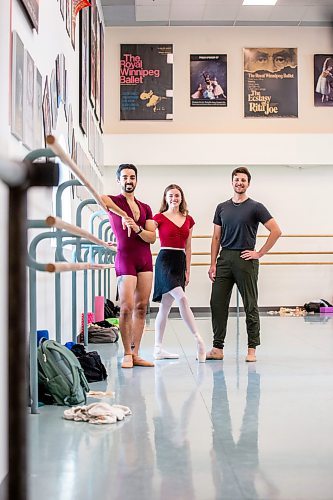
[{"x": 236, "y": 224}]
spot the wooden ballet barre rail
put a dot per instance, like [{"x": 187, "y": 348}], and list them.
[
  {"x": 60, "y": 267},
  {"x": 58, "y": 223},
  {"x": 67, "y": 160}
]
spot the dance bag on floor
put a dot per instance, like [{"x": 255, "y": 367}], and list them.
[
  {"x": 60, "y": 374},
  {"x": 91, "y": 363}
]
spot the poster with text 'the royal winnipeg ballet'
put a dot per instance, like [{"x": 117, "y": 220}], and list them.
[
  {"x": 270, "y": 83},
  {"x": 146, "y": 82}
]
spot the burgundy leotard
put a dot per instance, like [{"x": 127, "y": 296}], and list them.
[{"x": 133, "y": 254}]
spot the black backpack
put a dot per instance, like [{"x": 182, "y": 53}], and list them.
[
  {"x": 110, "y": 310},
  {"x": 91, "y": 363},
  {"x": 314, "y": 307}
]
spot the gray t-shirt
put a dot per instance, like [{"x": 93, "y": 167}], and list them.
[{"x": 240, "y": 223}]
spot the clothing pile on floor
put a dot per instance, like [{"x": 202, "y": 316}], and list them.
[
  {"x": 100, "y": 333},
  {"x": 289, "y": 311},
  {"x": 97, "y": 413}
]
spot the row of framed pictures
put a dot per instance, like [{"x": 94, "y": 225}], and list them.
[
  {"x": 26, "y": 102},
  {"x": 66, "y": 10},
  {"x": 270, "y": 81},
  {"x": 91, "y": 66}
]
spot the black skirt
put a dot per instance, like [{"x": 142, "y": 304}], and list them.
[{"x": 170, "y": 270}]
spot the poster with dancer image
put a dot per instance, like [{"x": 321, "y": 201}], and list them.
[
  {"x": 208, "y": 80},
  {"x": 146, "y": 82},
  {"x": 270, "y": 83},
  {"x": 323, "y": 80}
]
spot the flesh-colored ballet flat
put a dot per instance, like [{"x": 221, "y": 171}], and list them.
[
  {"x": 137, "y": 361},
  {"x": 127, "y": 361}
]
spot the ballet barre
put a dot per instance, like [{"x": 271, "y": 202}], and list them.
[{"x": 19, "y": 177}]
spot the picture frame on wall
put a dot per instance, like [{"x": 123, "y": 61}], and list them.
[
  {"x": 101, "y": 123},
  {"x": 83, "y": 69},
  {"x": 92, "y": 52},
  {"x": 54, "y": 99},
  {"x": 46, "y": 110},
  {"x": 38, "y": 110},
  {"x": 17, "y": 86},
  {"x": 68, "y": 16},
  {"x": 98, "y": 69},
  {"x": 323, "y": 80},
  {"x": 208, "y": 80},
  {"x": 270, "y": 82},
  {"x": 31, "y": 8},
  {"x": 73, "y": 25},
  {"x": 62, "y": 8},
  {"x": 28, "y": 100}
]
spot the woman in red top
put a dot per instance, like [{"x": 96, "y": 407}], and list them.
[{"x": 172, "y": 268}]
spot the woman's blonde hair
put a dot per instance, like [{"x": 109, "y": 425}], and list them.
[{"x": 183, "y": 205}]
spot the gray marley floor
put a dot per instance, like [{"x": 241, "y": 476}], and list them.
[{"x": 223, "y": 430}]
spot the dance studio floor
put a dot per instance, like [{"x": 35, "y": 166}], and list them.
[{"x": 224, "y": 430}]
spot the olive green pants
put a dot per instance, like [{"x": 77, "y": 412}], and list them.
[{"x": 231, "y": 269}]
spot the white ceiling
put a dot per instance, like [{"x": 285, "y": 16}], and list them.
[{"x": 216, "y": 13}]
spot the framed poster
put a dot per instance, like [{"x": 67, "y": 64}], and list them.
[
  {"x": 38, "y": 111},
  {"x": 70, "y": 129},
  {"x": 101, "y": 123},
  {"x": 270, "y": 83},
  {"x": 62, "y": 8},
  {"x": 17, "y": 86},
  {"x": 73, "y": 24},
  {"x": 68, "y": 16},
  {"x": 83, "y": 69},
  {"x": 54, "y": 99},
  {"x": 92, "y": 52},
  {"x": 323, "y": 80},
  {"x": 146, "y": 82},
  {"x": 46, "y": 110},
  {"x": 208, "y": 80},
  {"x": 31, "y": 8},
  {"x": 28, "y": 100},
  {"x": 98, "y": 69}
]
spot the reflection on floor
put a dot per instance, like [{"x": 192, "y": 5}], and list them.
[{"x": 223, "y": 430}]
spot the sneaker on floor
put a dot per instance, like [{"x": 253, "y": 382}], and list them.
[
  {"x": 162, "y": 354},
  {"x": 137, "y": 361},
  {"x": 215, "y": 353}
]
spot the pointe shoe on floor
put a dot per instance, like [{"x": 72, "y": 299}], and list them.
[
  {"x": 215, "y": 353},
  {"x": 137, "y": 361},
  {"x": 162, "y": 354},
  {"x": 201, "y": 354},
  {"x": 127, "y": 361}
]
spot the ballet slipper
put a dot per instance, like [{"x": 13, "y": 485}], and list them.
[
  {"x": 127, "y": 361},
  {"x": 201, "y": 354},
  {"x": 137, "y": 361}
]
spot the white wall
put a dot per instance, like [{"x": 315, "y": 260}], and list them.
[
  {"x": 299, "y": 199},
  {"x": 290, "y": 158},
  {"x": 51, "y": 40}
]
